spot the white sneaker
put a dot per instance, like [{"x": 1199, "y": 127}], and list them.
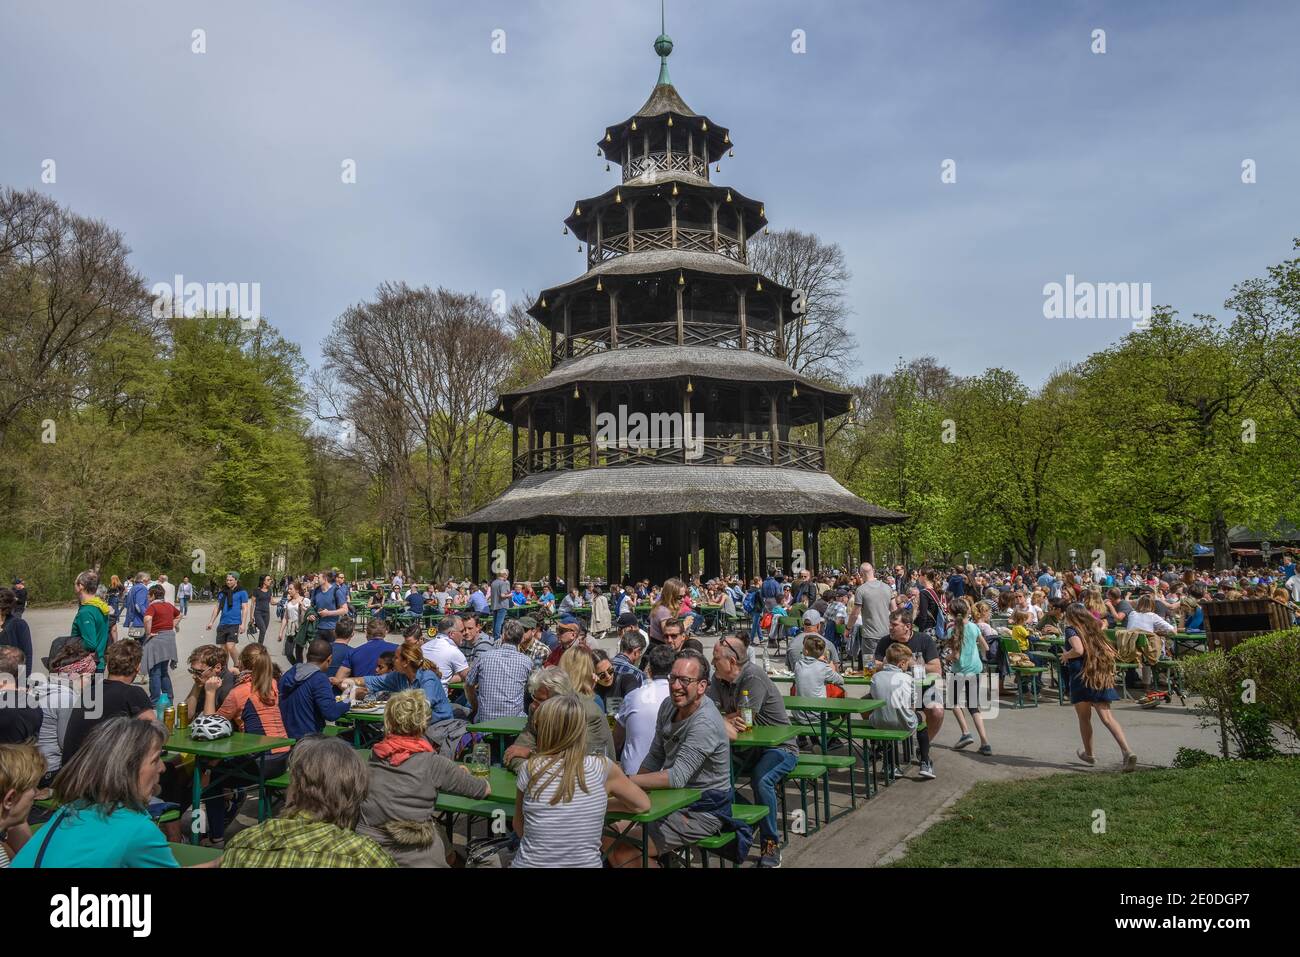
[
  {"x": 1085, "y": 758},
  {"x": 1130, "y": 762},
  {"x": 927, "y": 770}
]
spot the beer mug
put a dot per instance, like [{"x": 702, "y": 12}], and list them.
[{"x": 480, "y": 759}]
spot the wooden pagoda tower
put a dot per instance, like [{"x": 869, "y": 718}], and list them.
[{"x": 668, "y": 318}]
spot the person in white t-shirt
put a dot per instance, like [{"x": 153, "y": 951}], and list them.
[
  {"x": 564, "y": 793},
  {"x": 1293, "y": 586},
  {"x": 444, "y": 650},
  {"x": 635, "y": 730}
]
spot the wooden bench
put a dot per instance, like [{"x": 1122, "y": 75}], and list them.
[
  {"x": 803, "y": 775},
  {"x": 837, "y": 762},
  {"x": 889, "y": 739},
  {"x": 751, "y": 814}
]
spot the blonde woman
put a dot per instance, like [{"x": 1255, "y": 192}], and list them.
[
  {"x": 564, "y": 792},
  {"x": 406, "y": 777},
  {"x": 1090, "y": 663},
  {"x": 580, "y": 666},
  {"x": 669, "y": 605}
]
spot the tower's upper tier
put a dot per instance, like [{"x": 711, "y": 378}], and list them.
[{"x": 665, "y": 134}]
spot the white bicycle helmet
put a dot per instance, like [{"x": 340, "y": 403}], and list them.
[{"x": 210, "y": 727}]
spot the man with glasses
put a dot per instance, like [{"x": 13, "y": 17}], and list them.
[
  {"x": 207, "y": 662},
  {"x": 674, "y": 632},
  {"x": 734, "y": 676},
  {"x": 690, "y": 749}
]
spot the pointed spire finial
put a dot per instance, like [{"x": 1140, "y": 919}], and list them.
[{"x": 663, "y": 47}]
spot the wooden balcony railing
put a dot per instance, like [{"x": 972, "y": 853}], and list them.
[
  {"x": 688, "y": 237},
  {"x": 632, "y": 336},
  {"x": 711, "y": 451},
  {"x": 681, "y": 162}
]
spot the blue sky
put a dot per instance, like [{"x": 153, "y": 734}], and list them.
[{"x": 1122, "y": 167}]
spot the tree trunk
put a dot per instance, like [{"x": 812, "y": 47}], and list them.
[{"x": 1219, "y": 529}]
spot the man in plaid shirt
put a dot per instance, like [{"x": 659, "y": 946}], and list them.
[
  {"x": 532, "y": 643},
  {"x": 497, "y": 678},
  {"x": 632, "y": 643}
]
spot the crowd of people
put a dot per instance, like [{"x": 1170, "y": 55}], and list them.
[{"x": 600, "y": 731}]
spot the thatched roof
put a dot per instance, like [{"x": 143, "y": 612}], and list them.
[
  {"x": 660, "y": 187},
  {"x": 674, "y": 490},
  {"x": 664, "y": 101},
  {"x": 656, "y": 261},
  {"x": 703, "y": 363}
]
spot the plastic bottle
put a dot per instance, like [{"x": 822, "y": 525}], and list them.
[
  {"x": 164, "y": 702},
  {"x": 746, "y": 710}
]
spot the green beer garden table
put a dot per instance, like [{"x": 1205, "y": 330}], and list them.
[
  {"x": 663, "y": 801},
  {"x": 358, "y": 718},
  {"x": 189, "y": 855},
  {"x": 238, "y": 745},
  {"x": 843, "y": 709},
  {"x": 499, "y": 728}
]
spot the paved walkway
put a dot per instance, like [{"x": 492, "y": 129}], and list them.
[{"x": 1026, "y": 743}]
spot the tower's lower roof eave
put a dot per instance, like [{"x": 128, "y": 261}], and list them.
[{"x": 674, "y": 490}]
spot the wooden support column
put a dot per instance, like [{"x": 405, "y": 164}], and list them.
[
  {"x": 492, "y": 547},
  {"x": 613, "y": 555},
  {"x": 551, "y": 567},
  {"x": 690, "y": 145},
  {"x": 775, "y": 433},
  {"x": 591, "y": 434},
  {"x": 821, "y": 431},
  {"x": 572, "y": 539},
  {"x": 473, "y": 557},
  {"x": 742, "y": 553},
  {"x": 672, "y": 206},
  {"x": 686, "y": 419},
  {"x": 613, "y": 319},
  {"x": 712, "y": 550},
  {"x": 631, "y": 225},
  {"x": 681, "y": 316},
  {"x": 693, "y": 542},
  {"x": 514, "y": 449},
  {"x": 553, "y": 344},
  {"x": 568, "y": 331},
  {"x": 762, "y": 547},
  {"x": 510, "y": 553},
  {"x": 787, "y": 543},
  {"x": 714, "y": 217},
  {"x": 780, "y": 330},
  {"x": 600, "y": 241},
  {"x": 742, "y": 318},
  {"x": 865, "y": 553},
  {"x": 740, "y": 235}
]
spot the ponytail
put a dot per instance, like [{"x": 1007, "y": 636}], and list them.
[{"x": 959, "y": 609}]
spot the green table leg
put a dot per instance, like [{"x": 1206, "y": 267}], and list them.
[
  {"x": 198, "y": 803},
  {"x": 825, "y": 744}
]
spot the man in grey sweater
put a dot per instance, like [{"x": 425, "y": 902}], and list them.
[{"x": 690, "y": 750}]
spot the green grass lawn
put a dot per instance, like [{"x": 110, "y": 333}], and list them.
[{"x": 1224, "y": 814}]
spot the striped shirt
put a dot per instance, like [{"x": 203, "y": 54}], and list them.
[
  {"x": 500, "y": 676},
  {"x": 564, "y": 835},
  {"x": 248, "y": 713}
]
